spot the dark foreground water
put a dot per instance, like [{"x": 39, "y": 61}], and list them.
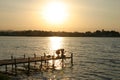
[{"x": 94, "y": 58}]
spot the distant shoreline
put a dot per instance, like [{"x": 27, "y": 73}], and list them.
[
  {"x": 60, "y": 36},
  {"x": 38, "y": 33}
]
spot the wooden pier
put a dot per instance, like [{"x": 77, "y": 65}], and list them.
[{"x": 43, "y": 60}]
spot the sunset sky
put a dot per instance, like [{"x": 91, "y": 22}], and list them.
[{"x": 60, "y": 15}]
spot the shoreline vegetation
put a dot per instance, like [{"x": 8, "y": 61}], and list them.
[{"x": 97, "y": 33}]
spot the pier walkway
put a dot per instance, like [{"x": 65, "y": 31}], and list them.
[{"x": 42, "y": 59}]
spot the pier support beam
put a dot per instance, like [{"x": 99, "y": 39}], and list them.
[
  {"x": 6, "y": 68},
  {"x": 12, "y": 60},
  {"x": 41, "y": 64},
  {"x": 28, "y": 72},
  {"x": 35, "y": 58},
  {"x": 24, "y": 58},
  {"x": 15, "y": 67},
  {"x": 71, "y": 59},
  {"x": 53, "y": 62},
  {"x": 62, "y": 62},
  {"x": 45, "y": 59},
  {"x": 12, "y": 68}
]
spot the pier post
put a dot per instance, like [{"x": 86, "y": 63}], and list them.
[
  {"x": 47, "y": 64},
  {"x": 15, "y": 67},
  {"x": 71, "y": 59},
  {"x": 28, "y": 66},
  {"x": 24, "y": 58},
  {"x": 12, "y": 68},
  {"x": 45, "y": 58},
  {"x": 12, "y": 60},
  {"x": 62, "y": 61},
  {"x": 6, "y": 68},
  {"x": 11, "y": 57},
  {"x": 41, "y": 64},
  {"x": 35, "y": 61},
  {"x": 44, "y": 55},
  {"x": 53, "y": 62}
]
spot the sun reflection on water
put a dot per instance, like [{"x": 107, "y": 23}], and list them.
[{"x": 55, "y": 43}]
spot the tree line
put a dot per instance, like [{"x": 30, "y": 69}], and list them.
[{"x": 97, "y": 33}]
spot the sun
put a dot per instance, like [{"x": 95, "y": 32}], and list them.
[{"x": 55, "y": 12}]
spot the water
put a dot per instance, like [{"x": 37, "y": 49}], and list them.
[{"x": 94, "y": 58}]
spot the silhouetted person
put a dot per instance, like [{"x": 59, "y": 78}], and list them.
[
  {"x": 58, "y": 53},
  {"x": 62, "y": 53}
]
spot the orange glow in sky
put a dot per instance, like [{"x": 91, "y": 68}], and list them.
[{"x": 60, "y": 15}]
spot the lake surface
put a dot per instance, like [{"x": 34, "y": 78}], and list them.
[{"x": 94, "y": 58}]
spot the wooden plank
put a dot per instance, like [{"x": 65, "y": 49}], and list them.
[{"x": 25, "y": 60}]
